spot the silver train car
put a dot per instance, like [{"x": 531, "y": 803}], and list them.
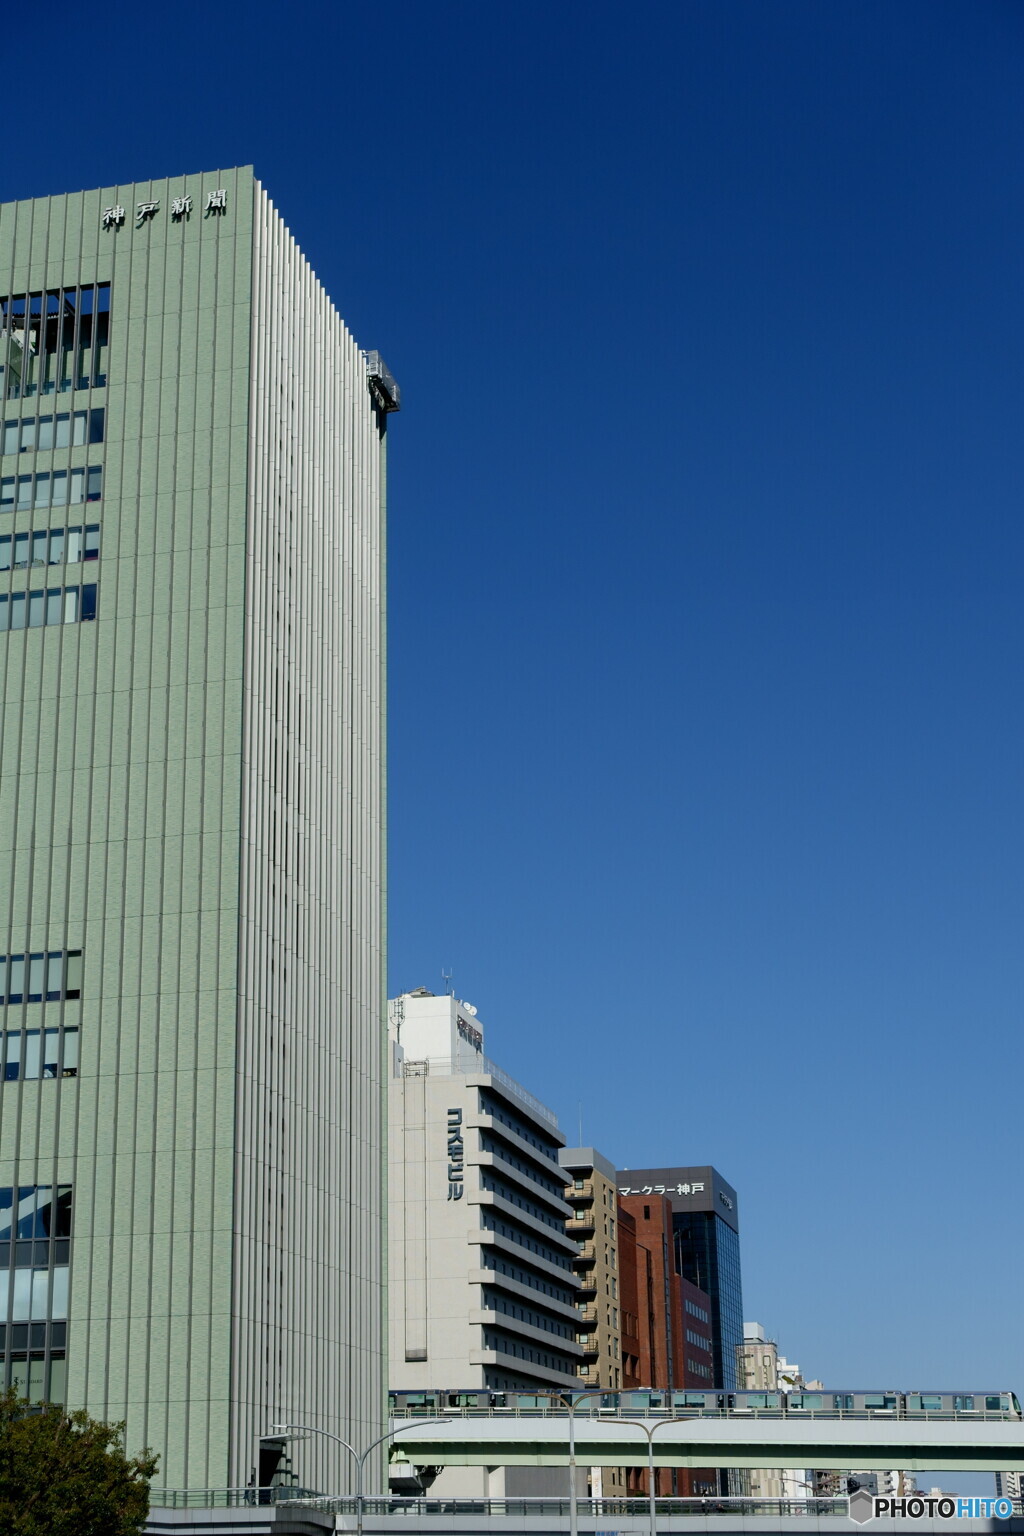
[{"x": 692, "y": 1403}]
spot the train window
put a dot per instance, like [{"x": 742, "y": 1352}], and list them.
[
  {"x": 843, "y": 1401},
  {"x": 877, "y": 1400},
  {"x": 994, "y": 1404},
  {"x": 964, "y": 1404},
  {"x": 920, "y": 1403},
  {"x": 808, "y": 1402},
  {"x": 761, "y": 1399},
  {"x": 689, "y": 1399}
]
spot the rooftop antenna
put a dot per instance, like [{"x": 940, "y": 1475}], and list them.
[{"x": 446, "y": 977}]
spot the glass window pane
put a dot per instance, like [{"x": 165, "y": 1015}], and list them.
[
  {"x": 59, "y": 1304},
  {"x": 40, "y": 539},
  {"x": 20, "y": 550},
  {"x": 70, "y": 605},
  {"x": 54, "y": 975},
  {"x": 44, "y": 433},
  {"x": 74, "y": 546},
  {"x": 41, "y": 495},
  {"x": 63, "y": 433},
  {"x": 73, "y": 974},
  {"x": 69, "y": 1057},
  {"x": 56, "y": 546},
  {"x": 60, "y": 488},
  {"x": 94, "y": 476},
  {"x": 96, "y": 426},
  {"x": 3, "y": 979},
  {"x": 54, "y": 603},
  {"x": 36, "y": 965},
  {"x": 25, "y": 492},
  {"x": 10, "y": 438},
  {"x": 77, "y": 487},
  {"x": 80, "y": 420},
  {"x": 6, "y": 1212},
  {"x": 89, "y": 601},
  {"x": 32, "y": 1063},
  {"x": 51, "y": 1053},
  {"x": 5, "y": 1291},
  {"x": 58, "y": 1379},
  {"x": 92, "y": 542},
  {"x": 36, "y": 609},
  {"x": 7, "y": 485},
  {"x": 21, "y": 1301},
  {"x": 36, "y": 1377},
  {"x": 18, "y": 610},
  {"x": 12, "y": 1066},
  {"x": 40, "y": 1293},
  {"x": 5, "y": 614},
  {"x": 17, "y": 973},
  {"x": 6, "y": 555}
]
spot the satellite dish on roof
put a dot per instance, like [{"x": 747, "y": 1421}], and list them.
[{"x": 470, "y": 1010}]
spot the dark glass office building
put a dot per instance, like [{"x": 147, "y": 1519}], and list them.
[{"x": 705, "y": 1225}]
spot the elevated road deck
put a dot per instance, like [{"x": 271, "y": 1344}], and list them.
[{"x": 911, "y": 1445}]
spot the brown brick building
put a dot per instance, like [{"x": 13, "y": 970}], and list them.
[{"x": 665, "y": 1323}]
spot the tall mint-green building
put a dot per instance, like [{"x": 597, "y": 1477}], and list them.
[{"x": 192, "y": 829}]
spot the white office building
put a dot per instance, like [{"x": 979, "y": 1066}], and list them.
[{"x": 481, "y": 1285}]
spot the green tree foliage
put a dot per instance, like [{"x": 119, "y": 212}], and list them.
[{"x": 65, "y": 1474}]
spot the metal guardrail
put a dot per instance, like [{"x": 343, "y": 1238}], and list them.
[
  {"x": 375, "y": 1504},
  {"x": 346, "y": 1504}
]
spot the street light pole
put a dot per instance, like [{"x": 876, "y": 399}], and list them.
[
  {"x": 360, "y": 1460},
  {"x": 571, "y": 1399},
  {"x": 652, "y": 1507}
]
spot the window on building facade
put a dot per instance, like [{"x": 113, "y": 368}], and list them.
[
  {"x": 49, "y": 546},
  {"x": 48, "y": 976},
  {"x": 69, "y": 429},
  {"x": 36, "y": 1053},
  {"x": 52, "y": 605},
  {"x": 53, "y": 341},
  {"x": 35, "y": 1232},
  {"x": 51, "y": 488}
]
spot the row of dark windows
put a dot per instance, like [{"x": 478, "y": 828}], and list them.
[
  {"x": 52, "y": 605},
  {"x": 494, "y": 1301},
  {"x": 490, "y": 1104},
  {"x": 698, "y": 1312},
  {"x": 69, "y": 429},
  {"x": 511, "y": 1195},
  {"x": 494, "y": 1223},
  {"x": 528, "y": 1277},
  {"x": 49, "y": 546},
  {"x": 698, "y": 1368},
  {"x": 54, "y": 340},
  {"x": 35, "y": 1212},
  {"x": 51, "y": 488},
  {"x": 48, "y": 976},
  {"x": 39, "y": 1377},
  {"x": 27, "y": 1054},
  {"x": 489, "y": 1142},
  {"x": 505, "y": 1346}
]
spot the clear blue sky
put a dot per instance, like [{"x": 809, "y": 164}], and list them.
[{"x": 706, "y": 565}]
